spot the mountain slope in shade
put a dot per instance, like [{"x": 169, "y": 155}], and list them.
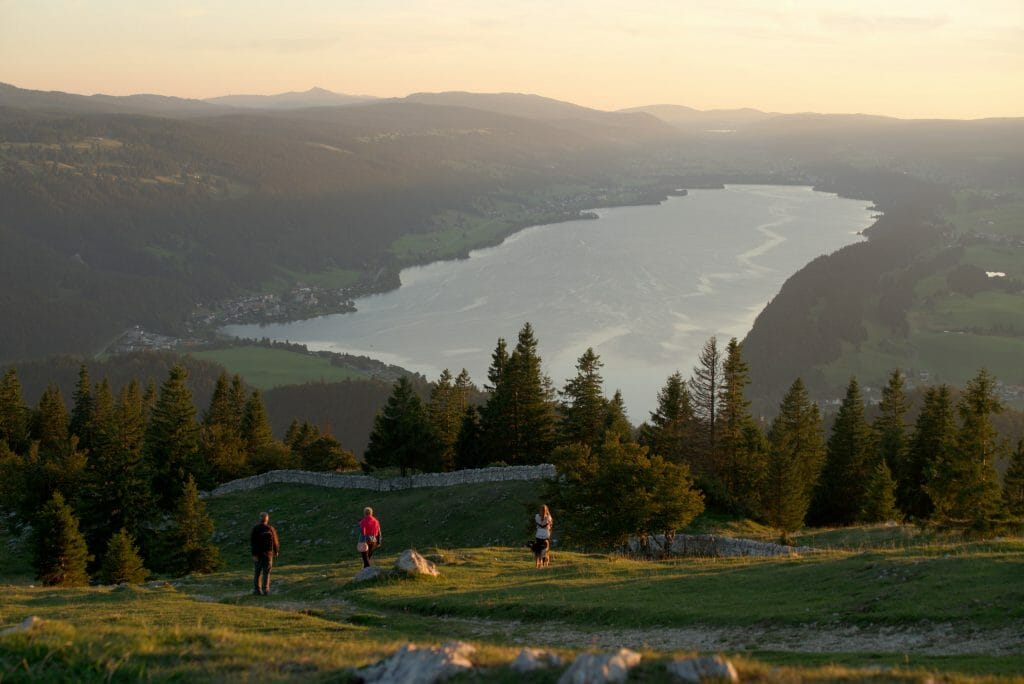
[
  {"x": 314, "y": 97},
  {"x": 57, "y": 101}
]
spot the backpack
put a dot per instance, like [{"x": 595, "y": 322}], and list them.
[{"x": 265, "y": 540}]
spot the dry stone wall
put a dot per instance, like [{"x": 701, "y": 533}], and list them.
[{"x": 545, "y": 471}]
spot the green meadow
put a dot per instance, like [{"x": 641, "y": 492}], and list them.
[
  {"x": 266, "y": 368},
  {"x": 873, "y": 604}
]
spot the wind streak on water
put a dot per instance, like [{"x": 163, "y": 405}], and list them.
[{"x": 645, "y": 286}]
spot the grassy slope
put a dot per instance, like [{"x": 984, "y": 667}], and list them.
[
  {"x": 268, "y": 368},
  {"x": 488, "y": 593}
]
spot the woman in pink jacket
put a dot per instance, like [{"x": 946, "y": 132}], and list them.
[{"x": 369, "y": 536}]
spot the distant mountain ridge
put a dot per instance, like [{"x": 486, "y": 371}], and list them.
[{"x": 314, "y": 97}]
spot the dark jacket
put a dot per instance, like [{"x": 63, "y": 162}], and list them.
[{"x": 263, "y": 541}]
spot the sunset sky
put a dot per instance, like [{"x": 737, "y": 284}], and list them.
[{"x": 935, "y": 58}]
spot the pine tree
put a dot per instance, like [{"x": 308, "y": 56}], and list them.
[
  {"x": 190, "y": 548},
  {"x": 889, "y": 427},
  {"x": 255, "y": 425},
  {"x": 616, "y": 421},
  {"x": 672, "y": 430},
  {"x": 445, "y": 409},
  {"x": 964, "y": 484},
  {"x": 81, "y": 422},
  {"x": 1013, "y": 483},
  {"x": 849, "y": 464},
  {"x": 50, "y": 422},
  {"x": 469, "y": 451},
  {"x": 402, "y": 435},
  {"x": 122, "y": 563},
  {"x": 584, "y": 408},
  {"x": 519, "y": 418},
  {"x": 61, "y": 555},
  {"x": 14, "y": 413},
  {"x": 705, "y": 387},
  {"x": 172, "y": 439},
  {"x": 933, "y": 440},
  {"x": 880, "y": 496},
  {"x": 795, "y": 457},
  {"x": 741, "y": 458}
]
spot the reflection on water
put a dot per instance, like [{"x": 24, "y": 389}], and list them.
[{"x": 644, "y": 286}]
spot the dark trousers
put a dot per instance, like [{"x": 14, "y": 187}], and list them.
[
  {"x": 368, "y": 553},
  {"x": 261, "y": 569}
]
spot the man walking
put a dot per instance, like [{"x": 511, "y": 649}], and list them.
[{"x": 264, "y": 547}]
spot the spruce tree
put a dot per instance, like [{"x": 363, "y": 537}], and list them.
[
  {"x": 61, "y": 555},
  {"x": 14, "y": 413},
  {"x": 849, "y": 464},
  {"x": 50, "y": 422},
  {"x": 255, "y": 424},
  {"x": 189, "y": 543},
  {"x": 933, "y": 439},
  {"x": 402, "y": 435},
  {"x": 672, "y": 430},
  {"x": 122, "y": 563},
  {"x": 1013, "y": 483},
  {"x": 889, "y": 427},
  {"x": 705, "y": 387},
  {"x": 741, "y": 459},
  {"x": 795, "y": 456},
  {"x": 880, "y": 496},
  {"x": 172, "y": 439},
  {"x": 616, "y": 421},
  {"x": 82, "y": 408},
  {"x": 469, "y": 451},
  {"x": 445, "y": 409},
  {"x": 584, "y": 408},
  {"x": 964, "y": 484}
]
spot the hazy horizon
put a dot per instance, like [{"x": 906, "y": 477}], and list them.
[{"x": 938, "y": 59}]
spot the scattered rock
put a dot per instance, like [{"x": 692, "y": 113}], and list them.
[
  {"x": 597, "y": 668},
  {"x": 26, "y": 625},
  {"x": 412, "y": 563},
  {"x": 706, "y": 669},
  {"x": 530, "y": 659},
  {"x": 370, "y": 573},
  {"x": 413, "y": 664}
]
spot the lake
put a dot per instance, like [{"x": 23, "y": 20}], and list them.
[{"x": 645, "y": 286}]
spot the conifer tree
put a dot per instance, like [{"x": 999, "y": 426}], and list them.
[
  {"x": 61, "y": 555},
  {"x": 964, "y": 484},
  {"x": 445, "y": 409},
  {"x": 122, "y": 563},
  {"x": 14, "y": 413},
  {"x": 1013, "y": 483},
  {"x": 584, "y": 408},
  {"x": 325, "y": 454},
  {"x": 889, "y": 427},
  {"x": 795, "y": 457},
  {"x": 617, "y": 421},
  {"x": 50, "y": 422},
  {"x": 933, "y": 439},
  {"x": 705, "y": 387},
  {"x": 402, "y": 435},
  {"x": 190, "y": 548},
  {"x": 172, "y": 439},
  {"x": 880, "y": 496},
  {"x": 469, "y": 447},
  {"x": 672, "y": 429},
  {"x": 255, "y": 425},
  {"x": 81, "y": 420},
  {"x": 849, "y": 464},
  {"x": 741, "y": 456}
]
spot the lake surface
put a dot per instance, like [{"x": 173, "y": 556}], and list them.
[{"x": 644, "y": 286}]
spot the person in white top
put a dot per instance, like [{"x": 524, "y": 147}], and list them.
[{"x": 542, "y": 540}]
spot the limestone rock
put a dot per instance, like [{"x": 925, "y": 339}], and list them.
[
  {"x": 597, "y": 668},
  {"x": 370, "y": 573},
  {"x": 412, "y": 563},
  {"x": 26, "y": 625},
  {"x": 414, "y": 664},
  {"x": 706, "y": 669},
  {"x": 530, "y": 659}
]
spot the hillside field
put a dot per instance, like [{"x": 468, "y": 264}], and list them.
[{"x": 877, "y": 603}]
